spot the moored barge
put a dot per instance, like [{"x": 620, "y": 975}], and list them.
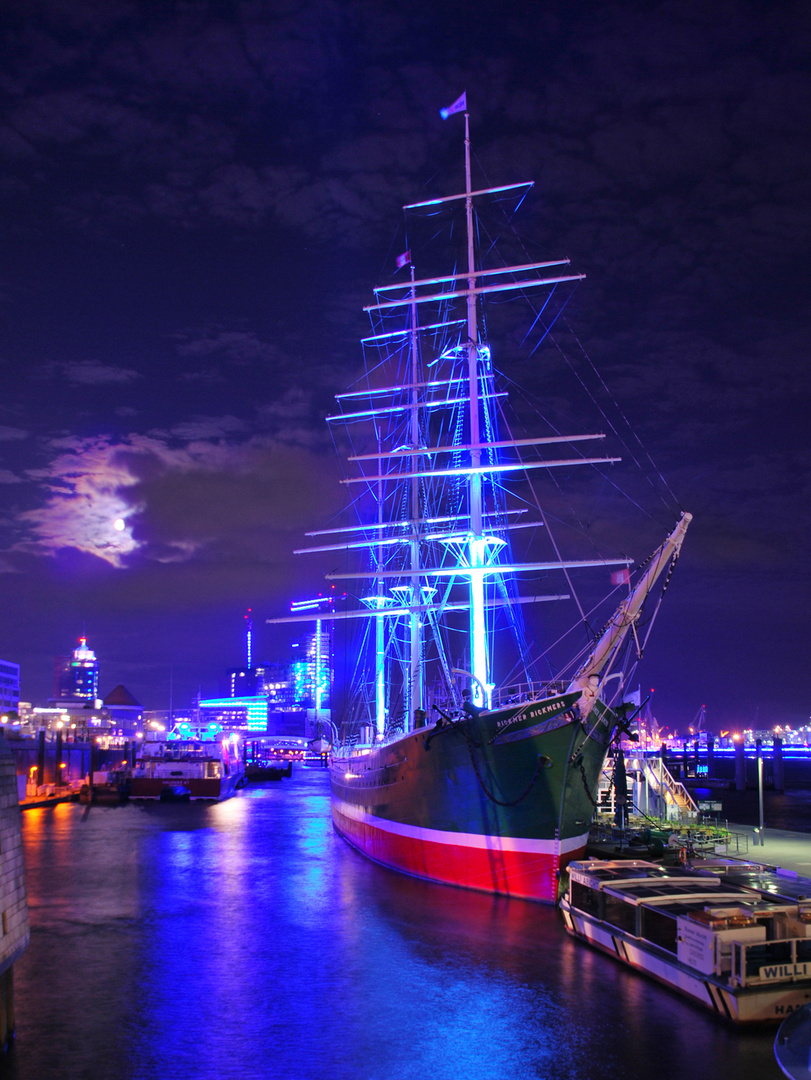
[{"x": 740, "y": 952}]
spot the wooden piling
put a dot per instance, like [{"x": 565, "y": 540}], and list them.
[
  {"x": 41, "y": 758},
  {"x": 740, "y": 767},
  {"x": 777, "y": 764}
]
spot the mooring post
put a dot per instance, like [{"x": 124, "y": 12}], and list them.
[
  {"x": 41, "y": 758},
  {"x": 777, "y": 762},
  {"x": 94, "y": 763},
  {"x": 740, "y": 766},
  {"x": 58, "y": 759}
]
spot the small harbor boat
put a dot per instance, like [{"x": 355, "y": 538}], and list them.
[
  {"x": 208, "y": 770},
  {"x": 740, "y": 951}
]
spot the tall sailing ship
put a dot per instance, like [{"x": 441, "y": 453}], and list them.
[{"x": 466, "y": 756}]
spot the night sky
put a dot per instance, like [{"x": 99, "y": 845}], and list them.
[{"x": 197, "y": 199}]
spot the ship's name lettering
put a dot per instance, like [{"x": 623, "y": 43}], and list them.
[
  {"x": 531, "y": 714},
  {"x": 784, "y": 971}
]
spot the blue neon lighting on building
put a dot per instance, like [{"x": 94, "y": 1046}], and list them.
[{"x": 256, "y": 709}]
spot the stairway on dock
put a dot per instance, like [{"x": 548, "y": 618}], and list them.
[{"x": 652, "y": 790}]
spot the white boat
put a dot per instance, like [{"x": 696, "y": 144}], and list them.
[
  {"x": 208, "y": 770},
  {"x": 742, "y": 952}
]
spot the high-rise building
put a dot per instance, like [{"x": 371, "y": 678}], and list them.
[
  {"x": 311, "y": 669},
  {"x": 241, "y": 682},
  {"x": 76, "y": 677},
  {"x": 9, "y": 686}
]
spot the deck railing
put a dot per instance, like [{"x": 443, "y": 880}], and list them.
[{"x": 526, "y": 691}]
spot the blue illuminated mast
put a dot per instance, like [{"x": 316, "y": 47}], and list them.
[
  {"x": 430, "y": 485},
  {"x": 414, "y": 681},
  {"x": 477, "y": 547}
]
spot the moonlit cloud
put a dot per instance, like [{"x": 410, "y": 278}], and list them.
[
  {"x": 85, "y": 486},
  {"x": 166, "y": 498}
]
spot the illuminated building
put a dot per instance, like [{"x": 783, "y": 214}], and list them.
[
  {"x": 279, "y": 699},
  {"x": 240, "y": 713},
  {"x": 76, "y": 677},
  {"x": 75, "y": 721},
  {"x": 276, "y": 681},
  {"x": 9, "y": 686},
  {"x": 242, "y": 682},
  {"x": 311, "y": 669}
]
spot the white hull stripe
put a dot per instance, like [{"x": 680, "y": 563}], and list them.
[{"x": 459, "y": 839}]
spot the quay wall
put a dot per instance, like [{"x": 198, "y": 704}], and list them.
[
  {"x": 796, "y": 769},
  {"x": 15, "y": 929}
]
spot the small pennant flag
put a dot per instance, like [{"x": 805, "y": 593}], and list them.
[
  {"x": 403, "y": 260},
  {"x": 460, "y": 105},
  {"x": 621, "y": 577}
]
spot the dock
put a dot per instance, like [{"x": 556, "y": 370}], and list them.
[
  {"x": 36, "y": 802},
  {"x": 789, "y": 852}
]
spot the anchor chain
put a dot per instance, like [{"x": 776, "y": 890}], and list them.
[
  {"x": 586, "y": 783},
  {"x": 543, "y": 763},
  {"x": 459, "y": 725}
]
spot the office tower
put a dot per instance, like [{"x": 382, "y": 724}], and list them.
[{"x": 76, "y": 677}]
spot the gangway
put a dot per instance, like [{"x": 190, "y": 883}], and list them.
[{"x": 652, "y": 790}]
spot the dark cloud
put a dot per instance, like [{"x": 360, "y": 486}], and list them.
[{"x": 90, "y": 373}]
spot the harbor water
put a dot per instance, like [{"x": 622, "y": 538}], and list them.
[{"x": 246, "y": 939}]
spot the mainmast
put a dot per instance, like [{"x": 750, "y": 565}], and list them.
[
  {"x": 414, "y": 695},
  {"x": 478, "y": 630}
]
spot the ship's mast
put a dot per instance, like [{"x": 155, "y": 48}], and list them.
[
  {"x": 380, "y": 628},
  {"x": 478, "y": 629},
  {"x": 414, "y": 695},
  {"x": 419, "y": 587}
]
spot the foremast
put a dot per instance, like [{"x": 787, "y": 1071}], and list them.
[{"x": 592, "y": 676}]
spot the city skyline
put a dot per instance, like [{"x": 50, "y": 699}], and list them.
[{"x": 196, "y": 206}]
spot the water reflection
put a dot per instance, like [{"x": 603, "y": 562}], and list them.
[{"x": 247, "y": 939}]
